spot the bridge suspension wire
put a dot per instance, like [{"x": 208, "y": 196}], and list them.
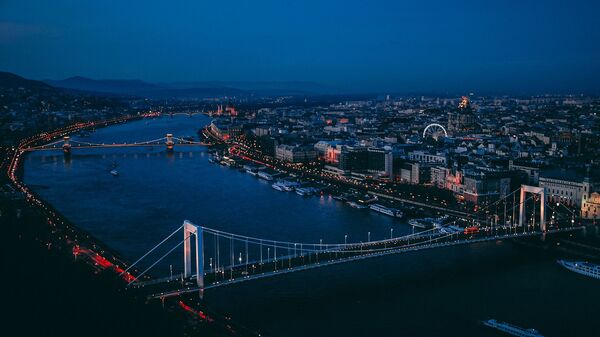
[
  {"x": 286, "y": 244},
  {"x": 152, "y": 249},
  {"x": 549, "y": 205},
  {"x": 365, "y": 252},
  {"x": 514, "y": 207},
  {"x": 495, "y": 203},
  {"x": 323, "y": 248},
  {"x": 160, "y": 259}
]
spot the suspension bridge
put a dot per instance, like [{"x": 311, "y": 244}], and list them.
[
  {"x": 67, "y": 144},
  {"x": 214, "y": 258}
]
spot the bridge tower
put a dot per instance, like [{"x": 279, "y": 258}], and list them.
[
  {"x": 542, "y": 194},
  {"x": 189, "y": 230},
  {"x": 67, "y": 145},
  {"x": 170, "y": 144}
]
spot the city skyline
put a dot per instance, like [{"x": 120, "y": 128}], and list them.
[{"x": 518, "y": 48}]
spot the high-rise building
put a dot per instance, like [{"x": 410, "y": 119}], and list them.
[
  {"x": 354, "y": 158},
  {"x": 372, "y": 160}
]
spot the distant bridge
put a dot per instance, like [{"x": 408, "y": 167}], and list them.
[{"x": 67, "y": 144}]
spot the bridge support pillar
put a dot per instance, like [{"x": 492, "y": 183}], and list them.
[
  {"x": 189, "y": 230},
  {"x": 67, "y": 145},
  {"x": 541, "y": 192},
  {"x": 169, "y": 143}
]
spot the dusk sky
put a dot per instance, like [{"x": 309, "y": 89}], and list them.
[{"x": 399, "y": 46}]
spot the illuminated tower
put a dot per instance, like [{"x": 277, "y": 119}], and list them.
[{"x": 462, "y": 120}]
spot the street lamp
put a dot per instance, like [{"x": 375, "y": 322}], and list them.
[
  {"x": 391, "y": 233},
  {"x": 345, "y": 240},
  {"x": 369, "y": 237}
]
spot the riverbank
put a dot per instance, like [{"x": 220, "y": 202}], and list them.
[{"x": 50, "y": 293}]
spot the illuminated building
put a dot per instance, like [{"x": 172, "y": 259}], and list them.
[
  {"x": 462, "y": 120},
  {"x": 591, "y": 207},
  {"x": 295, "y": 154}
]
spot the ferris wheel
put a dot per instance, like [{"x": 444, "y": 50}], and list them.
[{"x": 434, "y": 131}]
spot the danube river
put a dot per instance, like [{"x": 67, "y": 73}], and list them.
[{"x": 443, "y": 292}]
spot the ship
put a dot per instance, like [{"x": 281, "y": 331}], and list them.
[
  {"x": 114, "y": 172},
  {"x": 306, "y": 191},
  {"x": 386, "y": 210},
  {"x": 289, "y": 186},
  {"x": 278, "y": 186},
  {"x": 511, "y": 329},
  {"x": 423, "y": 223},
  {"x": 285, "y": 185},
  {"x": 267, "y": 175},
  {"x": 340, "y": 198},
  {"x": 583, "y": 268},
  {"x": 357, "y": 205},
  {"x": 250, "y": 169}
]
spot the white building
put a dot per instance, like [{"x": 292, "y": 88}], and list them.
[{"x": 424, "y": 157}]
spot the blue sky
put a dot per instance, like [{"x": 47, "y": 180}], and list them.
[{"x": 396, "y": 46}]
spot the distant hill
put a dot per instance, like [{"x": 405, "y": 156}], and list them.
[
  {"x": 190, "y": 89},
  {"x": 141, "y": 88},
  {"x": 293, "y": 87},
  {"x": 123, "y": 87},
  {"x": 13, "y": 81}
]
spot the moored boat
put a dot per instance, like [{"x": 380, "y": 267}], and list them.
[
  {"x": 511, "y": 329},
  {"x": 306, "y": 191},
  {"x": 583, "y": 268},
  {"x": 285, "y": 185},
  {"x": 357, "y": 205},
  {"x": 386, "y": 210}
]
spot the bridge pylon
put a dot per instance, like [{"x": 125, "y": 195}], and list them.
[
  {"x": 522, "y": 208},
  {"x": 189, "y": 230},
  {"x": 169, "y": 143},
  {"x": 67, "y": 145}
]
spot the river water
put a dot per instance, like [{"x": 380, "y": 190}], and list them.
[{"x": 443, "y": 292}]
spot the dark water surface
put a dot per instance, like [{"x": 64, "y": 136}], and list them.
[{"x": 444, "y": 292}]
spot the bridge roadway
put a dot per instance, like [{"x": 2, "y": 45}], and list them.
[{"x": 293, "y": 263}]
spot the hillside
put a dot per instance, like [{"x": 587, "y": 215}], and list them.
[{"x": 13, "y": 81}]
